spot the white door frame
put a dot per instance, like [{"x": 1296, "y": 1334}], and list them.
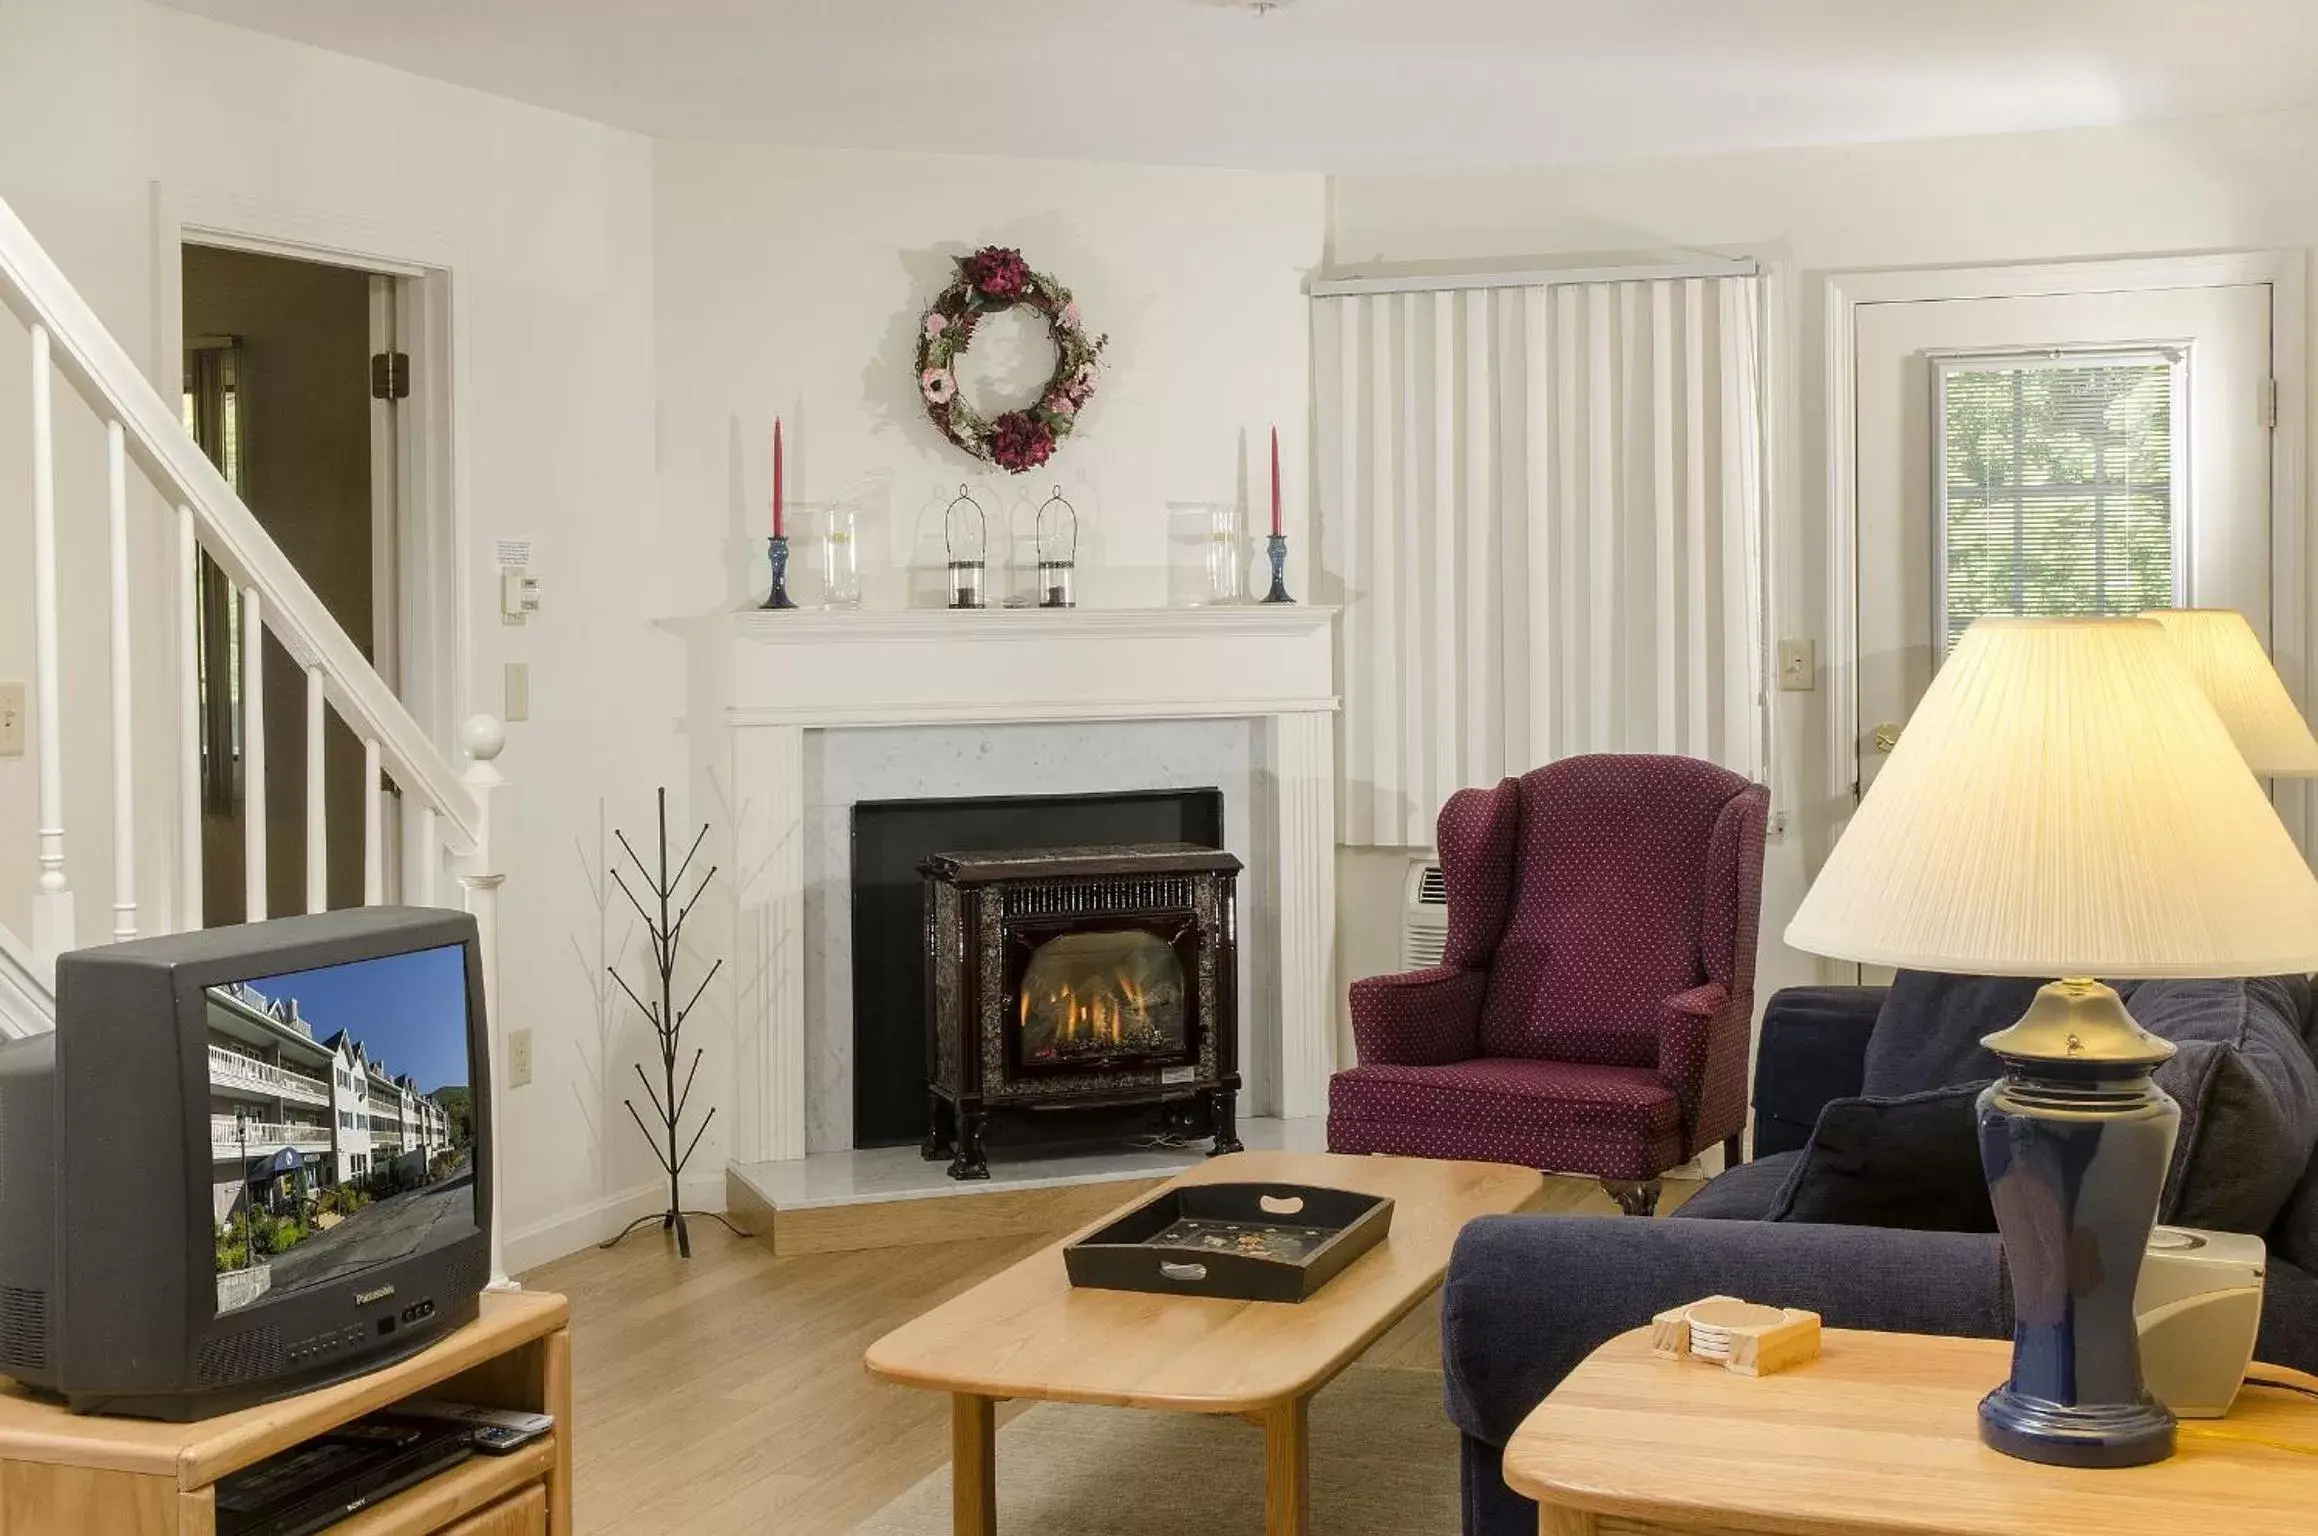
[
  {"x": 434, "y": 620},
  {"x": 2293, "y": 638}
]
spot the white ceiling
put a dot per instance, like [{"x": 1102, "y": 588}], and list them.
[{"x": 1334, "y": 84}]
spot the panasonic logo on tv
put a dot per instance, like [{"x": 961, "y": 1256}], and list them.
[{"x": 365, "y": 1298}]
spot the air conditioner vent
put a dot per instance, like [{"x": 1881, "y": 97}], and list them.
[{"x": 1424, "y": 915}]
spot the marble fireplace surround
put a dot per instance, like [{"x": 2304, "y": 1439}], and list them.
[{"x": 781, "y": 706}]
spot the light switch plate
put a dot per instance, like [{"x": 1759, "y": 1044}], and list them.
[
  {"x": 518, "y": 1058},
  {"x": 11, "y": 719},
  {"x": 1798, "y": 666},
  {"x": 517, "y": 703}
]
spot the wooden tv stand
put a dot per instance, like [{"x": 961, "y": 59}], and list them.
[{"x": 64, "y": 1474}]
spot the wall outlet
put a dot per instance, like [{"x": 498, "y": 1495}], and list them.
[
  {"x": 1798, "y": 666},
  {"x": 11, "y": 719},
  {"x": 517, "y": 704},
  {"x": 518, "y": 1058}
]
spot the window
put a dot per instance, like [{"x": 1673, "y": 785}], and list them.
[{"x": 2062, "y": 483}]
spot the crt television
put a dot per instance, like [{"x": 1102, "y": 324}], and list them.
[{"x": 248, "y": 1161}]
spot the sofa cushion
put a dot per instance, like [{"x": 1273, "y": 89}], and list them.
[
  {"x": 1744, "y": 1193},
  {"x": 2248, "y": 1092},
  {"x": 1612, "y": 1122},
  {"x": 2295, "y": 1236},
  {"x": 1911, "y": 1162},
  {"x": 1927, "y": 1034},
  {"x": 2289, "y": 1331}
]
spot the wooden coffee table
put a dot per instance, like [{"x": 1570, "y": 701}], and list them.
[
  {"x": 1026, "y": 1332},
  {"x": 1879, "y": 1436}
]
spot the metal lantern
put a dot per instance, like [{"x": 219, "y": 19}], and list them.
[
  {"x": 966, "y": 535},
  {"x": 1058, "y": 548}
]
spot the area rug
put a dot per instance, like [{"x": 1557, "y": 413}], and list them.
[{"x": 1384, "y": 1463}]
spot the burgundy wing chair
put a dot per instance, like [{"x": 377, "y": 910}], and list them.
[{"x": 1592, "y": 1008}]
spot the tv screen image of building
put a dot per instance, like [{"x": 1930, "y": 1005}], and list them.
[{"x": 341, "y": 1120}]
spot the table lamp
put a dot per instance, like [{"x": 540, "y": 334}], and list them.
[
  {"x": 2219, "y": 648},
  {"x": 2066, "y": 803}
]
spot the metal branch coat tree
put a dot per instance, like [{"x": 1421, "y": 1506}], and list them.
[{"x": 664, "y": 926}]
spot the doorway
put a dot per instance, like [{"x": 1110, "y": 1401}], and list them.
[
  {"x": 2091, "y": 452},
  {"x": 283, "y": 393}
]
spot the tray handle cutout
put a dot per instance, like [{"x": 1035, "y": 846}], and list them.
[
  {"x": 1185, "y": 1272},
  {"x": 1281, "y": 1205}
]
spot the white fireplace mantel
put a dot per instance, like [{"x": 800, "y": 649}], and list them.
[{"x": 760, "y": 680}]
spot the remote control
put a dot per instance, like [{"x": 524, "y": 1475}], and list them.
[{"x": 496, "y": 1430}]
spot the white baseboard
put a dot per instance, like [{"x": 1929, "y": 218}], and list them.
[{"x": 598, "y": 1220}]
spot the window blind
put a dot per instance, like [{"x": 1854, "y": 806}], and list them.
[
  {"x": 1540, "y": 508},
  {"x": 2060, "y": 485}
]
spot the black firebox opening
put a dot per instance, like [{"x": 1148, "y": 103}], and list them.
[{"x": 891, "y": 838}]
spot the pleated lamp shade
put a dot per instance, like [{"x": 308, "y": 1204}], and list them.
[
  {"x": 2220, "y": 649},
  {"x": 2065, "y": 802}
]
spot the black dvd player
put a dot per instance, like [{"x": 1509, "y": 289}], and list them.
[{"x": 312, "y": 1486}]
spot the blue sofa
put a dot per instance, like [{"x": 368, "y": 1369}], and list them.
[{"x": 1528, "y": 1297}]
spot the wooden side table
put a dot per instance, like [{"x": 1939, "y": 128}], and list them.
[
  {"x": 64, "y": 1474},
  {"x": 1879, "y": 1437}
]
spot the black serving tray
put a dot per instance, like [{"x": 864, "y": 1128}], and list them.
[{"x": 1246, "y": 1242}]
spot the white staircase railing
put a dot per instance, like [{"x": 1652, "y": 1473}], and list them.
[
  {"x": 27, "y": 1005},
  {"x": 450, "y": 806}
]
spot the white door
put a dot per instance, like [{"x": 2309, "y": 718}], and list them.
[{"x": 2064, "y": 453}]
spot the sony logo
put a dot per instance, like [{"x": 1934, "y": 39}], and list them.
[{"x": 365, "y": 1298}]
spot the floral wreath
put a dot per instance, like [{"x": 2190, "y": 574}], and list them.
[{"x": 994, "y": 279}]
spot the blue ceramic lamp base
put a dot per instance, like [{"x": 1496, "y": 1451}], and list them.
[
  {"x": 2100, "y": 1435},
  {"x": 2075, "y": 1140}
]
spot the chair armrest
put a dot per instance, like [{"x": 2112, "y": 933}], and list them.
[
  {"x": 1424, "y": 1018},
  {"x": 1702, "y": 1056},
  {"x": 1813, "y": 1051},
  {"x": 1529, "y": 1297}
]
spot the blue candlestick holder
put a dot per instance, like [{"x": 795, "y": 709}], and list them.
[
  {"x": 778, "y": 547},
  {"x": 1276, "y": 550}
]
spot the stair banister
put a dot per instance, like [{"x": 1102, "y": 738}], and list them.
[
  {"x": 117, "y": 645},
  {"x": 87, "y": 355}
]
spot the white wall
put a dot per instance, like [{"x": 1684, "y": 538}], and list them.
[
  {"x": 793, "y": 282},
  {"x": 546, "y": 223},
  {"x": 2206, "y": 184}
]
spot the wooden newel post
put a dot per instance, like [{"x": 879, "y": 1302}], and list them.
[{"x": 483, "y": 739}]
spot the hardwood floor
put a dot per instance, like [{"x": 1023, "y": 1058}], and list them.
[{"x": 727, "y": 1395}]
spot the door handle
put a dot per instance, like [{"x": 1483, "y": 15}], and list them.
[{"x": 1887, "y": 736}]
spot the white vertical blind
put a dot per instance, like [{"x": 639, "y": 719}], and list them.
[{"x": 1541, "y": 508}]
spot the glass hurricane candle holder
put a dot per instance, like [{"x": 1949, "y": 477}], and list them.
[
  {"x": 966, "y": 537},
  {"x": 1058, "y": 545},
  {"x": 840, "y": 559}
]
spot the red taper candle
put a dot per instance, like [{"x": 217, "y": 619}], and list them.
[
  {"x": 779, "y": 473},
  {"x": 1275, "y": 482}
]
